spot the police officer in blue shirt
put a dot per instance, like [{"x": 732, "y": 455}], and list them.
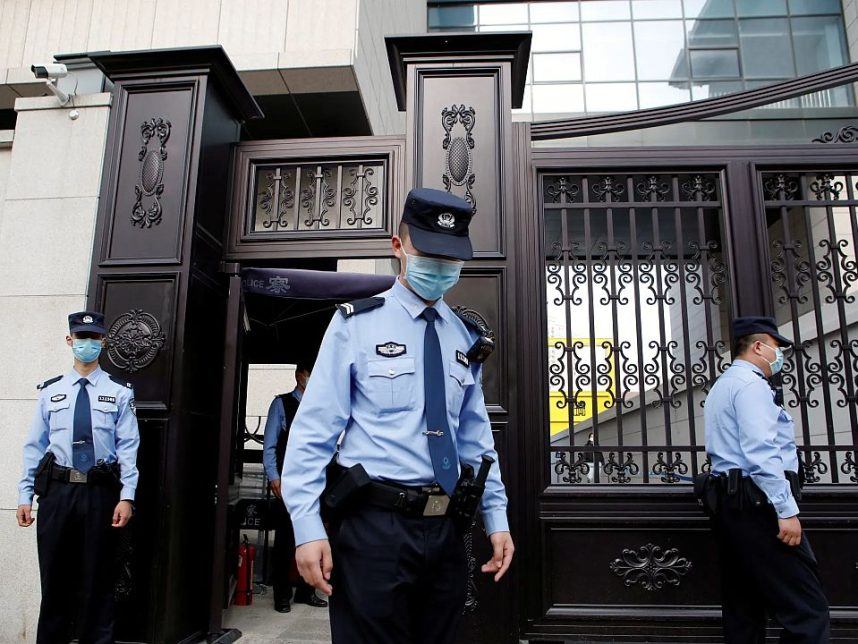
[
  {"x": 768, "y": 567},
  {"x": 394, "y": 378},
  {"x": 281, "y": 413},
  {"x": 80, "y": 459}
]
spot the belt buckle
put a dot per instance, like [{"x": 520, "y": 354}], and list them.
[
  {"x": 76, "y": 476},
  {"x": 436, "y": 505}
]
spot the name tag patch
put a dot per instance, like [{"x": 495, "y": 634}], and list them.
[
  {"x": 462, "y": 358},
  {"x": 390, "y": 349},
  {"x": 107, "y": 399},
  {"x": 58, "y": 397}
]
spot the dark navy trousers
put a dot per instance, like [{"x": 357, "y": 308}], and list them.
[
  {"x": 396, "y": 579},
  {"x": 762, "y": 577}
]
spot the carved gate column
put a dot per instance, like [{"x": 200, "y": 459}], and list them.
[{"x": 155, "y": 274}]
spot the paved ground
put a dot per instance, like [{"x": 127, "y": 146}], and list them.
[{"x": 261, "y": 624}]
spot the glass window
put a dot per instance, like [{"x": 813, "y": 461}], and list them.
[
  {"x": 503, "y": 28},
  {"x": 766, "y": 51},
  {"x": 660, "y": 50},
  {"x": 647, "y": 9},
  {"x": 558, "y": 99},
  {"x": 656, "y": 94},
  {"x": 611, "y": 97},
  {"x": 708, "y": 8},
  {"x": 761, "y": 7},
  {"x": 712, "y": 33},
  {"x": 553, "y": 11},
  {"x": 715, "y": 63},
  {"x": 798, "y": 7},
  {"x": 605, "y": 10},
  {"x": 608, "y": 51},
  {"x": 819, "y": 43},
  {"x": 556, "y": 67},
  {"x": 502, "y": 13},
  {"x": 711, "y": 90},
  {"x": 440, "y": 17},
  {"x": 563, "y": 37}
]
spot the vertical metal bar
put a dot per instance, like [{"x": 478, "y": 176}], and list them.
[
  {"x": 588, "y": 260},
  {"x": 361, "y": 180},
  {"x": 705, "y": 277},
  {"x": 298, "y": 196},
  {"x": 660, "y": 299},
  {"x": 275, "y": 206},
  {"x": 853, "y": 223},
  {"x": 614, "y": 295},
  {"x": 635, "y": 253},
  {"x": 565, "y": 251}
]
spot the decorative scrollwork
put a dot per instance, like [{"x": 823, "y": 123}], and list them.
[
  {"x": 651, "y": 567},
  {"x": 781, "y": 187},
  {"x": 134, "y": 340},
  {"x": 360, "y": 196},
  {"x": 560, "y": 188},
  {"x": 671, "y": 469},
  {"x": 575, "y": 472},
  {"x": 653, "y": 189},
  {"x": 606, "y": 188},
  {"x": 826, "y": 187},
  {"x": 151, "y": 173},
  {"x": 318, "y": 197},
  {"x": 458, "y": 162},
  {"x": 850, "y": 467},
  {"x": 707, "y": 464},
  {"x": 813, "y": 467},
  {"x": 846, "y": 134},
  {"x": 621, "y": 471},
  {"x": 277, "y": 198},
  {"x": 791, "y": 283},
  {"x": 699, "y": 188}
]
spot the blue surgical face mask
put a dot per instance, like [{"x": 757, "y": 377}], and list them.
[
  {"x": 778, "y": 364},
  {"x": 86, "y": 349},
  {"x": 430, "y": 277}
]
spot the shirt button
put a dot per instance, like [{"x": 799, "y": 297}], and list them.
[{"x": 391, "y": 372}]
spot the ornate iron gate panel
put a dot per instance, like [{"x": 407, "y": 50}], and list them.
[
  {"x": 812, "y": 232},
  {"x": 637, "y": 310}
]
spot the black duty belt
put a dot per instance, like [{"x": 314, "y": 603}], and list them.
[
  {"x": 96, "y": 476},
  {"x": 428, "y": 501}
]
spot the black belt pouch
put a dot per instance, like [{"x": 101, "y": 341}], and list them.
[
  {"x": 343, "y": 488},
  {"x": 42, "y": 479}
]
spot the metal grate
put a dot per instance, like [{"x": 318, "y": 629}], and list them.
[
  {"x": 637, "y": 311},
  {"x": 812, "y": 235}
]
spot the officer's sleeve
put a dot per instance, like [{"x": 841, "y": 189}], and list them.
[
  {"x": 127, "y": 442},
  {"x": 473, "y": 440},
  {"x": 757, "y": 418},
  {"x": 34, "y": 449},
  {"x": 273, "y": 425},
  {"x": 323, "y": 414}
]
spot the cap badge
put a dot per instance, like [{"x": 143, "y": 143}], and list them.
[
  {"x": 446, "y": 220},
  {"x": 87, "y": 319}
]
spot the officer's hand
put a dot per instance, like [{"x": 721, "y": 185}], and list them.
[
  {"x": 315, "y": 564},
  {"x": 790, "y": 531},
  {"x": 25, "y": 516},
  {"x": 275, "y": 488},
  {"x": 502, "y": 556},
  {"x": 122, "y": 514}
]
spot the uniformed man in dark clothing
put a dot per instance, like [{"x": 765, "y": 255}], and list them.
[
  {"x": 280, "y": 415},
  {"x": 768, "y": 567},
  {"x": 80, "y": 459}
]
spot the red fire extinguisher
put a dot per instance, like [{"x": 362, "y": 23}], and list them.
[{"x": 244, "y": 587}]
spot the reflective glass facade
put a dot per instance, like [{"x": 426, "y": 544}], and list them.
[{"x": 593, "y": 56}]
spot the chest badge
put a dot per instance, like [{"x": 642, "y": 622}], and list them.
[
  {"x": 390, "y": 349},
  {"x": 58, "y": 397},
  {"x": 107, "y": 399},
  {"x": 462, "y": 358}
]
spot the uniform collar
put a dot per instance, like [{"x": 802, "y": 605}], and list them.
[
  {"x": 412, "y": 303},
  {"x": 93, "y": 378},
  {"x": 297, "y": 394},
  {"x": 748, "y": 365}
]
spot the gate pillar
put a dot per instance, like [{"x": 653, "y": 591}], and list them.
[{"x": 155, "y": 274}]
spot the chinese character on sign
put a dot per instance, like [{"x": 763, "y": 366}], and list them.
[{"x": 278, "y": 284}]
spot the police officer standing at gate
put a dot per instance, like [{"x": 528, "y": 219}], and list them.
[
  {"x": 394, "y": 374},
  {"x": 281, "y": 412},
  {"x": 80, "y": 459},
  {"x": 768, "y": 567}
]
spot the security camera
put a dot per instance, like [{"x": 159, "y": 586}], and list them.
[{"x": 51, "y": 71}]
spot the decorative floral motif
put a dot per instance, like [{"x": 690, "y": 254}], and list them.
[
  {"x": 606, "y": 189},
  {"x": 619, "y": 471},
  {"x": 699, "y": 188},
  {"x": 278, "y": 190},
  {"x": 151, "y": 173},
  {"x": 560, "y": 190},
  {"x": 134, "y": 340},
  {"x": 318, "y": 197},
  {"x": 458, "y": 161},
  {"x": 360, "y": 196},
  {"x": 826, "y": 187},
  {"x": 850, "y": 467},
  {"x": 671, "y": 469},
  {"x": 571, "y": 472},
  {"x": 846, "y": 134},
  {"x": 651, "y": 567},
  {"x": 780, "y": 187},
  {"x": 652, "y": 189},
  {"x": 813, "y": 467}
]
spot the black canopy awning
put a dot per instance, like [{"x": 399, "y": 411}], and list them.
[{"x": 295, "y": 283}]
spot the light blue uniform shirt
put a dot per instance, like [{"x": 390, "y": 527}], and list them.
[
  {"x": 379, "y": 402},
  {"x": 115, "y": 435},
  {"x": 273, "y": 427},
  {"x": 746, "y": 430}
]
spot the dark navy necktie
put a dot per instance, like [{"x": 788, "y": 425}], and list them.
[
  {"x": 441, "y": 448},
  {"x": 83, "y": 453}
]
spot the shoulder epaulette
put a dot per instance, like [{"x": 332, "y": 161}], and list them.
[
  {"x": 359, "y": 306},
  {"x": 48, "y": 382},
  {"x": 119, "y": 381}
]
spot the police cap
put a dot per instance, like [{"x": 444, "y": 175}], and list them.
[
  {"x": 438, "y": 223},
  {"x": 758, "y": 324},
  {"x": 87, "y": 322}
]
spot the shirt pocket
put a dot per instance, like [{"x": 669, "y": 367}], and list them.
[
  {"x": 460, "y": 378},
  {"x": 392, "y": 383},
  {"x": 59, "y": 415},
  {"x": 104, "y": 415}
]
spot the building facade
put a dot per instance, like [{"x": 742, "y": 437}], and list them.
[{"x": 641, "y": 171}]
